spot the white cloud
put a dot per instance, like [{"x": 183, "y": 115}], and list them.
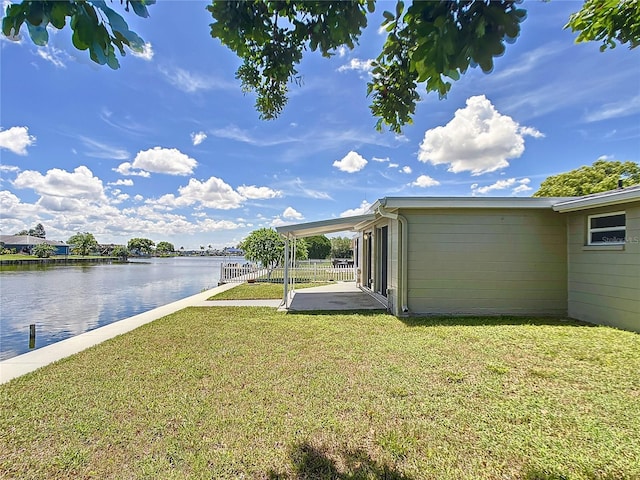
[
  {"x": 381, "y": 160},
  {"x": 394, "y": 165},
  {"x": 292, "y": 214},
  {"x": 9, "y": 168},
  {"x": 342, "y": 51},
  {"x": 16, "y": 211},
  {"x": 214, "y": 193},
  {"x": 209, "y": 225},
  {"x": 351, "y": 163},
  {"x": 254, "y": 192},
  {"x": 521, "y": 189},
  {"x": 278, "y": 222},
  {"x": 16, "y": 139},
  {"x": 119, "y": 198},
  {"x": 164, "y": 160},
  {"x": 146, "y": 53},
  {"x": 56, "y": 183},
  {"x": 425, "y": 181},
  {"x": 407, "y": 169},
  {"x": 517, "y": 186},
  {"x": 363, "y": 66},
  {"x": 198, "y": 137},
  {"x": 361, "y": 210},
  {"x": 127, "y": 182},
  {"x": 298, "y": 186},
  {"x": 615, "y": 110},
  {"x": 53, "y": 55},
  {"x": 126, "y": 169},
  {"x": 478, "y": 139},
  {"x": 190, "y": 82},
  {"x": 103, "y": 150}
]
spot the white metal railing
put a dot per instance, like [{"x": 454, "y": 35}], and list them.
[{"x": 303, "y": 272}]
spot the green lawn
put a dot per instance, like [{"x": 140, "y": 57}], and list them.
[
  {"x": 258, "y": 291},
  {"x": 17, "y": 256},
  {"x": 251, "y": 393}
]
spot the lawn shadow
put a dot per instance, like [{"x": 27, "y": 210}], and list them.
[
  {"x": 480, "y": 321},
  {"x": 369, "y": 313},
  {"x": 311, "y": 462},
  {"x": 534, "y": 473}
]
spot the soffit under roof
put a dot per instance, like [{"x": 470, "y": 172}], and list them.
[{"x": 323, "y": 227}]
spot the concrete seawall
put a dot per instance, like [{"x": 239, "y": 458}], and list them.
[{"x": 58, "y": 261}]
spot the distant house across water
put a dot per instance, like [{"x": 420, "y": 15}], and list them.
[{"x": 25, "y": 244}]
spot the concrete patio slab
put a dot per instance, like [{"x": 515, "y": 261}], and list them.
[{"x": 340, "y": 296}]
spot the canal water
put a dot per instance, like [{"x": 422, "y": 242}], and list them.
[{"x": 64, "y": 301}]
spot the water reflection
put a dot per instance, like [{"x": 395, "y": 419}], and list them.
[{"x": 63, "y": 301}]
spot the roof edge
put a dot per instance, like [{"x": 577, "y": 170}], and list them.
[
  {"x": 324, "y": 226},
  {"x": 468, "y": 202},
  {"x": 604, "y": 199}
]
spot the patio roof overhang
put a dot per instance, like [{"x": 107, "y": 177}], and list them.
[{"x": 323, "y": 227}]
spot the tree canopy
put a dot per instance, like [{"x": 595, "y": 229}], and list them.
[
  {"x": 318, "y": 246},
  {"x": 37, "y": 231},
  {"x": 165, "y": 247},
  {"x": 83, "y": 243},
  {"x": 341, "y": 247},
  {"x": 141, "y": 245},
  {"x": 96, "y": 26},
  {"x": 43, "y": 250},
  {"x": 120, "y": 251},
  {"x": 429, "y": 44},
  {"x": 264, "y": 246},
  {"x": 602, "y": 176}
]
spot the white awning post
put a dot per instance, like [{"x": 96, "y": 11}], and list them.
[{"x": 285, "y": 279}]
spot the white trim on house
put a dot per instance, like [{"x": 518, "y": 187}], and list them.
[
  {"x": 467, "y": 202},
  {"x": 322, "y": 227},
  {"x": 614, "y": 197}
]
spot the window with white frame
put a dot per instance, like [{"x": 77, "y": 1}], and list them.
[{"x": 607, "y": 228}]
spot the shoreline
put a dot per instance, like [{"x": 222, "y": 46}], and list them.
[
  {"x": 27, "y": 362},
  {"x": 58, "y": 261}
]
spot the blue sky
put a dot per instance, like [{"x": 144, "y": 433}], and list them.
[{"x": 169, "y": 148}]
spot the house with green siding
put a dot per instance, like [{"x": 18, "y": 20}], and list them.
[{"x": 577, "y": 257}]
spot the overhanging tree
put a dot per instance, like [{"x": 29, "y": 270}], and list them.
[
  {"x": 603, "y": 175},
  {"x": 429, "y": 43}
]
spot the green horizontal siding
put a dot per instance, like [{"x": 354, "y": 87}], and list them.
[
  {"x": 485, "y": 261},
  {"x": 604, "y": 284}
]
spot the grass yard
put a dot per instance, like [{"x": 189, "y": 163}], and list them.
[
  {"x": 250, "y": 393},
  {"x": 259, "y": 291}
]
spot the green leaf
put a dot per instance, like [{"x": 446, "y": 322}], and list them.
[
  {"x": 140, "y": 8},
  {"x": 119, "y": 25},
  {"x": 58, "y": 14},
  {"x": 38, "y": 34}
]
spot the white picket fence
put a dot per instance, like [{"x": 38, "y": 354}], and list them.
[{"x": 307, "y": 271}]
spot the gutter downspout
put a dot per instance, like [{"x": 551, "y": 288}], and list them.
[{"x": 404, "y": 242}]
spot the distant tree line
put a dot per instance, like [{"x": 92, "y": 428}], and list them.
[{"x": 37, "y": 231}]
